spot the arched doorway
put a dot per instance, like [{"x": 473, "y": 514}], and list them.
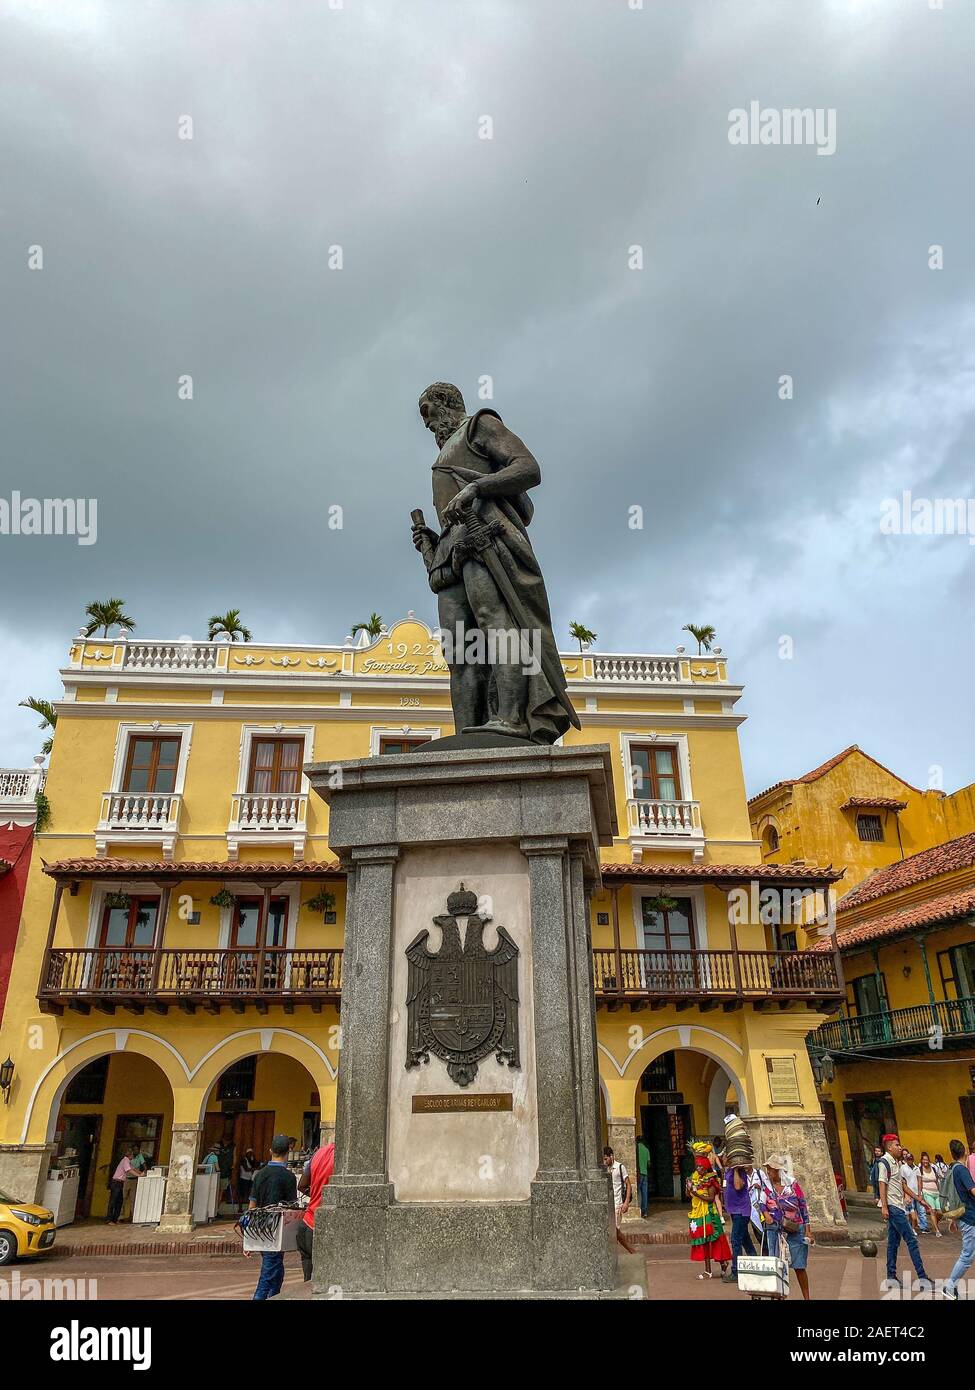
[
  {"x": 108, "y": 1105},
  {"x": 682, "y": 1094},
  {"x": 251, "y": 1100}
]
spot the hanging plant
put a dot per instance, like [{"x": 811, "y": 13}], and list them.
[
  {"x": 122, "y": 901},
  {"x": 43, "y": 813},
  {"x": 321, "y": 902},
  {"x": 223, "y": 899},
  {"x": 653, "y": 906}
]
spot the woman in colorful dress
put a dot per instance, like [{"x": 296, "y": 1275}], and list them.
[
  {"x": 708, "y": 1240},
  {"x": 786, "y": 1217}
]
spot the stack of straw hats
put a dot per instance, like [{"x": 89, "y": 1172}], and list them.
[{"x": 738, "y": 1150}]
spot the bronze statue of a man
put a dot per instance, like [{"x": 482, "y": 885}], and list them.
[{"x": 482, "y": 568}]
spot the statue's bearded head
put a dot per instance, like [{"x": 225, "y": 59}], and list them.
[{"x": 442, "y": 410}]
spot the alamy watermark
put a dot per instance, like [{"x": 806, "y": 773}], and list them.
[
  {"x": 755, "y": 903},
  {"x": 908, "y": 515},
  {"x": 19, "y": 1288},
  {"x": 792, "y": 125},
  {"x": 492, "y": 646},
  {"x": 50, "y": 516}
]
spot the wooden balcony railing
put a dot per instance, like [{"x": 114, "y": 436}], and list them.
[
  {"x": 926, "y": 1024},
  {"x": 129, "y": 976},
  {"x": 698, "y": 976}
]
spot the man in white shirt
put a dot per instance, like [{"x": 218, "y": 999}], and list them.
[
  {"x": 894, "y": 1192},
  {"x": 911, "y": 1175},
  {"x": 622, "y": 1191}
]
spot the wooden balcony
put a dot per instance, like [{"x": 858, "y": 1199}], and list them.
[
  {"x": 715, "y": 979},
  {"x": 106, "y": 978},
  {"x": 927, "y": 1027}
]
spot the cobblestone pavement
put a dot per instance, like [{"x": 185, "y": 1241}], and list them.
[
  {"x": 835, "y": 1272},
  {"x": 163, "y": 1277},
  {"x": 660, "y": 1272}
]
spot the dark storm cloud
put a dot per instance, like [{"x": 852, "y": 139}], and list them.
[{"x": 507, "y": 257}]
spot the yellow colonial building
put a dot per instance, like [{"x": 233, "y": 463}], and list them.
[
  {"x": 178, "y": 973},
  {"x": 900, "y": 1057}
]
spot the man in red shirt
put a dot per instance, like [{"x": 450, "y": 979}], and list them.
[{"x": 318, "y": 1170}]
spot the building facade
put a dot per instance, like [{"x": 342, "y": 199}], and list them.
[
  {"x": 901, "y": 1054},
  {"x": 178, "y": 974},
  {"x": 20, "y": 788},
  {"x": 855, "y": 812}
]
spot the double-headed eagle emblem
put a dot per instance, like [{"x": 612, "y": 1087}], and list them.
[{"x": 462, "y": 1002}]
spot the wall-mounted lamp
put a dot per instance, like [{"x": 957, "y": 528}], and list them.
[
  {"x": 823, "y": 1069},
  {"x": 907, "y": 972},
  {"x": 6, "y": 1079}
]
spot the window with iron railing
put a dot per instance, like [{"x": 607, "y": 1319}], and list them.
[{"x": 870, "y": 828}]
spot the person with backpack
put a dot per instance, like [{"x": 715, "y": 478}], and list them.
[
  {"x": 895, "y": 1192},
  {"x": 958, "y": 1201},
  {"x": 622, "y": 1192}
]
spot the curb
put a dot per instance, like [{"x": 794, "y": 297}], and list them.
[{"x": 150, "y": 1247}]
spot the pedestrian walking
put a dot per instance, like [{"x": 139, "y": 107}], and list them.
[
  {"x": 622, "y": 1191},
  {"x": 643, "y": 1176},
  {"x": 273, "y": 1183},
  {"x": 965, "y": 1187},
  {"x": 940, "y": 1167},
  {"x": 211, "y": 1160},
  {"x": 893, "y": 1198},
  {"x": 914, "y": 1208},
  {"x": 786, "y": 1215},
  {"x": 245, "y": 1177},
  {"x": 878, "y": 1154},
  {"x": 738, "y": 1205},
  {"x": 928, "y": 1186},
  {"x": 314, "y": 1179},
  {"x": 703, "y": 1188}
]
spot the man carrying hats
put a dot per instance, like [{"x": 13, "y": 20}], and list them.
[{"x": 273, "y": 1183}]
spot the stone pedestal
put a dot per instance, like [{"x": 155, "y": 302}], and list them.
[
  {"x": 24, "y": 1169},
  {"x": 802, "y": 1140},
  {"x": 507, "y": 1196},
  {"x": 178, "y": 1202}
]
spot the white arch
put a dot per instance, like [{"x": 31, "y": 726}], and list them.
[
  {"x": 718, "y": 1097},
  {"x": 265, "y": 1035},
  {"x": 122, "y": 1035},
  {"x": 260, "y": 1052},
  {"x": 683, "y": 1032}
]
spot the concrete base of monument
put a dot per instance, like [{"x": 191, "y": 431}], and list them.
[
  {"x": 560, "y": 1243},
  {"x": 467, "y": 1144}
]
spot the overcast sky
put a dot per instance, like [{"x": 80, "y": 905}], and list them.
[{"x": 463, "y": 257}]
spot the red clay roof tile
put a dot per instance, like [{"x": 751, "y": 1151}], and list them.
[
  {"x": 176, "y": 868},
  {"x": 948, "y": 907},
  {"x": 927, "y": 863}
]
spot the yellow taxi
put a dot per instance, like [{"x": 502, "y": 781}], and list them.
[{"x": 25, "y": 1229}]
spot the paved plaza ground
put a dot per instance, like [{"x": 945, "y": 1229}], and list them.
[{"x": 660, "y": 1272}]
